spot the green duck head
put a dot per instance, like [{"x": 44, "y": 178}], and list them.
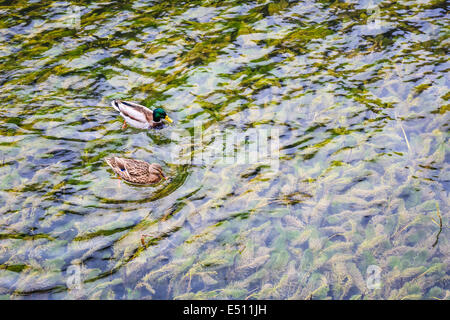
[{"x": 159, "y": 114}]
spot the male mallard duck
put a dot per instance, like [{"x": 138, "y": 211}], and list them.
[
  {"x": 139, "y": 116},
  {"x": 136, "y": 171}
]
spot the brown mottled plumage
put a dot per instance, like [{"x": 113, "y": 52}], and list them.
[{"x": 136, "y": 171}]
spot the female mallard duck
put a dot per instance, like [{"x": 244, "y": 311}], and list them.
[
  {"x": 139, "y": 116},
  {"x": 136, "y": 171}
]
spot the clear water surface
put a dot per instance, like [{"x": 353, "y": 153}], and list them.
[{"x": 357, "y": 207}]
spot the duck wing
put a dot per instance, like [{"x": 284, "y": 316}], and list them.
[
  {"x": 118, "y": 166},
  {"x": 136, "y": 168}
]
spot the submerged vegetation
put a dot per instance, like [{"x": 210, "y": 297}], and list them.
[{"x": 358, "y": 91}]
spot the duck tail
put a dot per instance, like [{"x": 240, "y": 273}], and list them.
[
  {"x": 110, "y": 162},
  {"x": 115, "y": 105}
]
